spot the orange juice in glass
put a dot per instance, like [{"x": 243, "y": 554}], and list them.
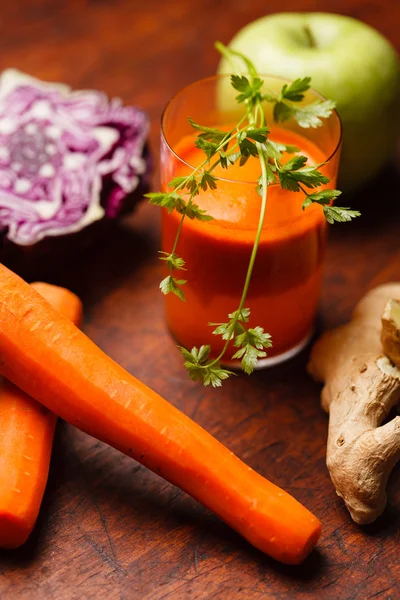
[{"x": 286, "y": 281}]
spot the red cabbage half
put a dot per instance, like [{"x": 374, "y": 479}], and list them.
[{"x": 67, "y": 158}]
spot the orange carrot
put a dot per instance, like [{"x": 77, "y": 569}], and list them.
[
  {"x": 49, "y": 358},
  {"x": 27, "y": 431}
]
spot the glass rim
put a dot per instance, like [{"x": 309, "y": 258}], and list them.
[{"x": 224, "y": 76}]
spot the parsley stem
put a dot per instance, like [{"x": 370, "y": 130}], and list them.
[
  {"x": 304, "y": 190},
  {"x": 254, "y": 251},
  {"x": 177, "y": 238}
]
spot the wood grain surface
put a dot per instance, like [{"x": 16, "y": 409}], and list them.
[{"x": 109, "y": 528}]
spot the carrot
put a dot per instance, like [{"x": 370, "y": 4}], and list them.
[
  {"x": 27, "y": 431},
  {"x": 49, "y": 358}
]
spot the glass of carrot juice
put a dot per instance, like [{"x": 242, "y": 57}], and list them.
[{"x": 285, "y": 287}]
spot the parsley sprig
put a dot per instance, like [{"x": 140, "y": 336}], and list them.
[
  {"x": 249, "y": 138},
  {"x": 310, "y": 115}
]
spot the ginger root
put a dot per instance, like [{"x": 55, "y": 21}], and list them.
[{"x": 359, "y": 364}]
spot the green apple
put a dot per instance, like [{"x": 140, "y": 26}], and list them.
[{"x": 349, "y": 62}]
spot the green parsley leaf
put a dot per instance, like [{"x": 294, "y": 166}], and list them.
[
  {"x": 311, "y": 114},
  {"x": 339, "y": 214},
  {"x": 213, "y": 376},
  {"x": 177, "y": 182},
  {"x": 192, "y": 185},
  {"x": 273, "y": 150},
  {"x": 322, "y": 197},
  {"x": 209, "y": 133},
  {"x": 294, "y": 164},
  {"x": 293, "y": 173},
  {"x": 169, "y": 200},
  {"x": 196, "y": 364},
  {"x": 295, "y": 91},
  {"x": 290, "y": 149},
  {"x": 248, "y": 91},
  {"x": 258, "y": 134},
  {"x": 288, "y": 181},
  {"x": 225, "y": 160},
  {"x": 196, "y": 356},
  {"x": 252, "y": 343},
  {"x": 311, "y": 177},
  {"x": 241, "y": 136},
  {"x": 170, "y": 285},
  {"x": 208, "y": 181},
  {"x": 234, "y": 325},
  {"x": 242, "y": 85},
  {"x": 209, "y": 148},
  {"x": 255, "y": 337},
  {"x": 173, "y": 261},
  {"x": 243, "y": 315},
  {"x": 223, "y": 329},
  {"x": 193, "y": 211},
  {"x": 282, "y": 112},
  {"x": 247, "y": 149},
  {"x": 249, "y": 356}
]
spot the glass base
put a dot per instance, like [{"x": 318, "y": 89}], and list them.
[{"x": 267, "y": 362}]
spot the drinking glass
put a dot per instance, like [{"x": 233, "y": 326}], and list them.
[{"x": 286, "y": 282}]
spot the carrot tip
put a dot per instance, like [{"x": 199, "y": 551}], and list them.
[{"x": 13, "y": 531}]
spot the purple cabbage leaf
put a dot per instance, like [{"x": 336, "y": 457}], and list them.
[{"x": 67, "y": 158}]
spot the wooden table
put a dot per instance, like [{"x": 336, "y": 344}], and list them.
[{"x": 108, "y": 527}]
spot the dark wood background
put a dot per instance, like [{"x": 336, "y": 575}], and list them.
[{"x": 109, "y": 528}]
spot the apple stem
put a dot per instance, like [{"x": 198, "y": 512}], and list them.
[{"x": 309, "y": 36}]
